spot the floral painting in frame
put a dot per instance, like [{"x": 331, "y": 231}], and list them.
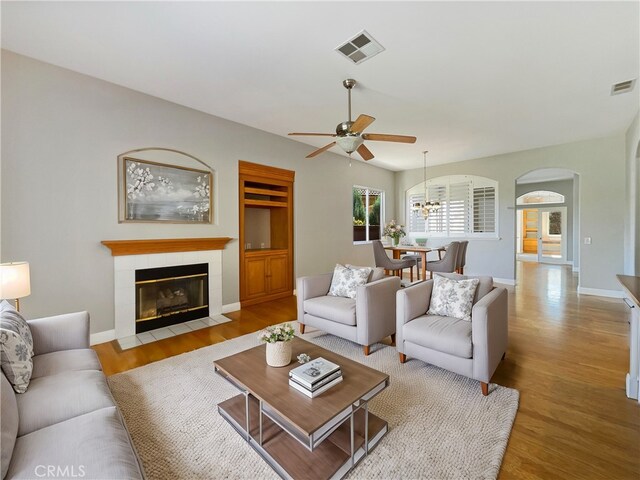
[{"x": 159, "y": 192}]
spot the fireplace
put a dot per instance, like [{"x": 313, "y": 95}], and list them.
[{"x": 170, "y": 295}]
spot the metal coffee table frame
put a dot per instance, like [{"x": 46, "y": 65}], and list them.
[{"x": 310, "y": 442}]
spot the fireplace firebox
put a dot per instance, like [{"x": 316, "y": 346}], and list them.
[{"x": 170, "y": 295}]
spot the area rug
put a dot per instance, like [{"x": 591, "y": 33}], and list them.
[{"x": 441, "y": 427}]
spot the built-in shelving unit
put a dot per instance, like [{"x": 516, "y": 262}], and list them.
[{"x": 266, "y": 232}]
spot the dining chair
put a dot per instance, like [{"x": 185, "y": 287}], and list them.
[
  {"x": 416, "y": 258},
  {"x": 448, "y": 264},
  {"x": 462, "y": 256},
  {"x": 389, "y": 264}
]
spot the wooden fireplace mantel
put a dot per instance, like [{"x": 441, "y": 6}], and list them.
[{"x": 165, "y": 245}]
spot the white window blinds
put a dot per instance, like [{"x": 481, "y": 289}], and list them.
[
  {"x": 468, "y": 207},
  {"x": 437, "y": 220},
  {"x": 416, "y": 220},
  {"x": 459, "y": 208},
  {"x": 484, "y": 209}
]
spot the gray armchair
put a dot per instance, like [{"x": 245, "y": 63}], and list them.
[
  {"x": 365, "y": 320},
  {"x": 473, "y": 349}
]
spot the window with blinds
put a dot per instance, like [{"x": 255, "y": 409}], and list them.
[
  {"x": 437, "y": 220},
  {"x": 416, "y": 221},
  {"x": 484, "y": 210},
  {"x": 468, "y": 207},
  {"x": 459, "y": 208}
]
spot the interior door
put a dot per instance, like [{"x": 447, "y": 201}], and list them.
[
  {"x": 530, "y": 231},
  {"x": 552, "y": 235}
]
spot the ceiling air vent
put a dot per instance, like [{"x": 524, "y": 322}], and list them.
[
  {"x": 623, "y": 87},
  {"x": 360, "y": 48}
]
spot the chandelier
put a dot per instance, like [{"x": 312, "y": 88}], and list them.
[{"x": 425, "y": 207}]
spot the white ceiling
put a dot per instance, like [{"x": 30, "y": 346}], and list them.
[{"x": 468, "y": 79}]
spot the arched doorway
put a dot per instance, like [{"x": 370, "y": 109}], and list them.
[{"x": 547, "y": 217}]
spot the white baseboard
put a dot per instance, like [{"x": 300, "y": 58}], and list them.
[
  {"x": 231, "y": 307},
  {"x": 102, "y": 337},
  {"x": 600, "y": 292},
  {"x": 505, "y": 281}
]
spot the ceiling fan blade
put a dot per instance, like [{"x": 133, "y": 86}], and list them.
[
  {"x": 384, "y": 137},
  {"x": 364, "y": 152},
  {"x": 320, "y": 150},
  {"x": 314, "y": 134},
  {"x": 362, "y": 122}
]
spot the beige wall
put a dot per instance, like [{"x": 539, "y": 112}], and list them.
[
  {"x": 601, "y": 166},
  {"x": 61, "y": 134}
]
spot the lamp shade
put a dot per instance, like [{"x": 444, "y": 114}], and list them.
[
  {"x": 14, "y": 280},
  {"x": 349, "y": 143}
]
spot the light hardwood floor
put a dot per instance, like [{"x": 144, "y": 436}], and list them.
[{"x": 568, "y": 356}]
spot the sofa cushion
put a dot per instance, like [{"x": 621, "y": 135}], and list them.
[
  {"x": 452, "y": 297},
  {"x": 346, "y": 280},
  {"x": 377, "y": 273},
  {"x": 12, "y": 319},
  {"x": 16, "y": 349},
  {"x": 444, "y": 334},
  {"x": 60, "y": 397},
  {"x": 94, "y": 445},
  {"x": 65, "y": 361},
  {"x": 336, "y": 309},
  {"x": 9, "y": 423},
  {"x": 485, "y": 284}
]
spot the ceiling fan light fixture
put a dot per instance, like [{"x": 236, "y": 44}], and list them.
[{"x": 349, "y": 143}]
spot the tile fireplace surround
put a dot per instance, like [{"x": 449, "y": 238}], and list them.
[{"x": 132, "y": 255}]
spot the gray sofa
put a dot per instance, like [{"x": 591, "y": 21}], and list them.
[
  {"x": 66, "y": 425},
  {"x": 473, "y": 349},
  {"x": 367, "y": 319}
]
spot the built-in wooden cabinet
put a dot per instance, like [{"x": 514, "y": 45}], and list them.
[{"x": 266, "y": 232}]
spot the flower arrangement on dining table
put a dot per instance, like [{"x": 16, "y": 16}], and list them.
[{"x": 395, "y": 231}]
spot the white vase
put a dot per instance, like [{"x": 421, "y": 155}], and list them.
[{"x": 278, "y": 354}]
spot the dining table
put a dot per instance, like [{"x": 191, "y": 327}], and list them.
[{"x": 399, "y": 250}]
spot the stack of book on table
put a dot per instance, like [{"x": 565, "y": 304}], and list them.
[{"x": 315, "y": 377}]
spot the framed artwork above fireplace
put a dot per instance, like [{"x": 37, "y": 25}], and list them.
[{"x": 157, "y": 192}]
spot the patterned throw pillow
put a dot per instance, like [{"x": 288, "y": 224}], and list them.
[
  {"x": 346, "y": 279},
  {"x": 452, "y": 298},
  {"x": 16, "y": 347}
]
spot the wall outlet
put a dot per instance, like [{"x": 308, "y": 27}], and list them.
[
  {"x": 262, "y": 245},
  {"x": 587, "y": 240}
]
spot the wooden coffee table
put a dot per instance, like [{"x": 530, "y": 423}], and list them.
[{"x": 300, "y": 437}]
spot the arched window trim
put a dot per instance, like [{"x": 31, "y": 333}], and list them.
[
  {"x": 520, "y": 200},
  {"x": 469, "y": 207}
]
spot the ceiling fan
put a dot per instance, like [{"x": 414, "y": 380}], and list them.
[{"x": 349, "y": 134}]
